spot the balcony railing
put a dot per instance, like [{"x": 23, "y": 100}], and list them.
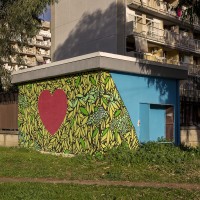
[
  {"x": 45, "y": 34},
  {"x": 153, "y": 58},
  {"x": 43, "y": 43},
  {"x": 173, "y": 39},
  {"x": 31, "y": 64},
  {"x": 164, "y": 8},
  {"x": 29, "y": 51},
  {"x": 163, "y": 36},
  {"x": 157, "y": 5},
  {"x": 193, "y": 70}
]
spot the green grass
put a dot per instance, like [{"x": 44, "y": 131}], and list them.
[
  {"x": 152, "y": 162},
  {"x": 27, "y": 191}
]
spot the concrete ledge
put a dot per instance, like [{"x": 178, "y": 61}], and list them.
[
  {"x": 190, "y": 137},
  {"x": 100, "y": 61},
  {"x": 190, "y": 128},
  {"x": 9, "y": 138}
]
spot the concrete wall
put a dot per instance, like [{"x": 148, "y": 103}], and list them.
[
  {"x": 190, "y": 136},
  {"x": 84, "y": 26},
  {"x": 9, "y": 138}
]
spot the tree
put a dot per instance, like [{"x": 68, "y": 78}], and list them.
[
  {"x": 18, "y": 21},
  {"x": 192, "y": 8}
]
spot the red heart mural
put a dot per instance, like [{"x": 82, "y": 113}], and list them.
[{"x": 52, "y": 109}]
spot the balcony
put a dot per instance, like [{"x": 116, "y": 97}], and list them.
[
  {"x": 43, "y": 53},
  {"x": 162, "y": 10},
  {"x": 46, "y": 44},
  {"x": 158, "y": 6},
  {"x": 150, "y": 58},
  {"x": 28, "y": 51},
  {"x": 162, "y": 36},
  {"x": 193, "y": 70},
  {"x": 46, "y": 34},
  {"x": 31, "y": 64}
]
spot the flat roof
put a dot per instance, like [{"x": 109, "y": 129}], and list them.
[{"x": 100, "y": 61}]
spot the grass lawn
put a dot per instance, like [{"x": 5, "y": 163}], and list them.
[
  {"x": 27, "y": 191},
  {"x": 152, "y": 163}
]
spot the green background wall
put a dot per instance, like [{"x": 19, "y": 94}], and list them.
[{"x": 96, "y": 118}]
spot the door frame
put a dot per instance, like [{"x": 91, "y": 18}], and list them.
[{"x": 145, "y": 137}]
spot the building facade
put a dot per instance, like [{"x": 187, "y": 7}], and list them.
[{"x": 36, "y": 52}]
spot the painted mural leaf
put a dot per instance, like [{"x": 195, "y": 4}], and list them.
[
  {"x": 84, "y": 111},
  {"x": 105, "y": 131},
  {"x": 105, "y": 101},
  {"x": 79, "y": 95},
  {"x": 72, "y": 122},
  {"x": 84, "y": 121},
  {"x": 106, "y": 96},
  {"x": 77, "y": 82},
  {"x": 117, "y": 113},
  {"x": 92, "y": 97},
  {"x": 77, "y": 145},
  {"x": 104, "y": 105},
  {"x": 114, "y": 105},
  {"x": 67, "y": 151},
  {"x": 75, "y": 103},
  {"x": 63, "y": 82},
  {"x": 119, "y": 139},
  {"x": 111, "y": 114},
  {"x": 70, "y": 103},
  {"x": 53, "y": 140},
  {"x": 94, "y": 134},
  {"x": 82, "y": 143},
  {"x": 108, "y": 138},
  {"x": 82, "y": 102},
  {"x": 107, "y": 79},
  {"x": 92, "y": 80},
  {"x": 71, "y": 137}
]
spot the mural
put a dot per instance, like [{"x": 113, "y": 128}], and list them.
[{"x": 77, "y": 113}]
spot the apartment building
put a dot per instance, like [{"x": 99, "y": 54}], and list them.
[
  {"x": 36, "y": 52},
  {"x": 156, "y": 29},
  {"x": 150, "y": 31}
]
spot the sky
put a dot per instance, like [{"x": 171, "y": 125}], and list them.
[{"x": 46, "y": 15}]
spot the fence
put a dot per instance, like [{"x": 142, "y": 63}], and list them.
[{"x": 8, "y": 111}]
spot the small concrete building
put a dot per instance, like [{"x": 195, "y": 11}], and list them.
[{"x": 98, "y": 101}]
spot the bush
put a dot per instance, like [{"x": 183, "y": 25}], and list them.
[{"x": 151, "y": 152}]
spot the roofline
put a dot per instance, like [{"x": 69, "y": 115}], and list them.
[{"x": 100, "y": 61}]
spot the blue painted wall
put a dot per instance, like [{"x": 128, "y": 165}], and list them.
[{"x": 136, "y": 91}]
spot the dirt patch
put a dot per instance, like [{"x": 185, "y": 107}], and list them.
[{"x": 185, "y": 186}]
